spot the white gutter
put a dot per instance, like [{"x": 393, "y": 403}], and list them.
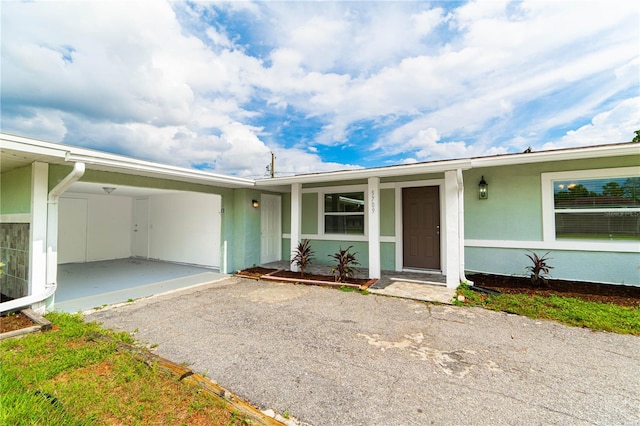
[
  {"x": 464, "y": 164},
  {"x": 111, "y": 162},
  {"x": 380, "y": 172},
  {"x": 52, "y": 243},
  {"x": 463, "y": 277}
]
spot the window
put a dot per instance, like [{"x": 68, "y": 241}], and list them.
[
  {"x": 606, "y": 208},
  {"x": 344, "y": 213}
]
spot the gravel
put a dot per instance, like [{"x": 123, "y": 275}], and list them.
[{"x": 329, "y": 357}]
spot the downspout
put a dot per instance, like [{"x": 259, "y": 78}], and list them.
[
  {"x": 52, "y": 223},
  {"x": 51, "y": 243},
  {"x": 463, "y": 277}
]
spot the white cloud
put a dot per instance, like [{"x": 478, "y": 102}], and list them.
[
  {"x": 615, "y": 125},
  {"x": 197, "y": 83}
]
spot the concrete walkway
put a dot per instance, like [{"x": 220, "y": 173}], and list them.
[
  {"x": 329, "y": 357},
  {"x": 428, "y": 287}
]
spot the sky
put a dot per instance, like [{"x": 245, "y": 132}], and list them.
[{"x": 218, "y": 86}]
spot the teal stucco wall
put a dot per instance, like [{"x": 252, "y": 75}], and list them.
[{"x": 604, "y": 267}]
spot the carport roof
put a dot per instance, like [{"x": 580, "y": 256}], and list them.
[{"x": 17, "y": 151}]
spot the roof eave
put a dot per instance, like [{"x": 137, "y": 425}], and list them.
[{"x": 380, "y": 172}]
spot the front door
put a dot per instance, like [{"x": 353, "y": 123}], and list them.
[
  {"x": 270, "y": 228},
  {"x": 421, "y": 227}
]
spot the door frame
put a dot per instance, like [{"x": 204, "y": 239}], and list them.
[{"x": 399, "y": 239}]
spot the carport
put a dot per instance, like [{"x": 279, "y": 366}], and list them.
[
  {"x": 118, "y": 242},
  {"x": 65, "y": 205}
]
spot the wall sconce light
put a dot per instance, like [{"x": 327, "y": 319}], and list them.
[
  {"x": 483, "y": 189},
  {"x": 108, "y": 189},
  {"x": 255, "y": 204}
]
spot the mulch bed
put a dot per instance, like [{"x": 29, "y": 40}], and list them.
[
  {"x": 259, "y": 272},
  {"x": 14, "y": 322},
  {"x": 622, "y": 295}
]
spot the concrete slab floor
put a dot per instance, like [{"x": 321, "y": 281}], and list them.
[{"x": 83, "y": 286}]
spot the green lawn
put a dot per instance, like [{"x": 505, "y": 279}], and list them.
[
  {"x": 70, "y": 377},
  {"x": 566, "y": 310}
]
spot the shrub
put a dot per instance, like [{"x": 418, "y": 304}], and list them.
[
  {"x": 303, "y": 256},
  {"x": 539, "y": 270},
  {"x": 346, "y": 262}
]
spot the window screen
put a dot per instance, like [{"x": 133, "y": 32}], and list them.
[
  {"x": 344, "y": 213},
  {"x": 603, "y": 208}
]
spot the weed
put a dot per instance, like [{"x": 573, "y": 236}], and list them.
[
  {"x": 303, "y": 255},
  {"x": 349, "y": 289},
  {"x": 286, "y": 414},
  {"x": 346, "y": 262}
]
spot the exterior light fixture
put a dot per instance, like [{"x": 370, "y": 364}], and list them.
[
  {"x": 483, "y": 189},
  {"x": 255, "y": 204},
  {"x": 108, "y": 189}
]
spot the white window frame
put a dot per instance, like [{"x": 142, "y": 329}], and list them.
[
  {"x": 548, "y": 209},
  {"x": 338, "y": 190}
]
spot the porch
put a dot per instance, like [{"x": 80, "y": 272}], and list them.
[{"x": 416, "y": 285}]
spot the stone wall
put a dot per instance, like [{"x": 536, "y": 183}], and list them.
[{"x": 14, "y": 252}]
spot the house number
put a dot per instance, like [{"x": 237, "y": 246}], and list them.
[{"x": 373, "y": 201}]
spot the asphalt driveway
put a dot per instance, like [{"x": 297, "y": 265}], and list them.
[{"x": 335, "y": 358}]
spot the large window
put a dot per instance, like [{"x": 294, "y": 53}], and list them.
[
  {"x": 344, "y": 213},
  {"x": 606, "y": 208}
]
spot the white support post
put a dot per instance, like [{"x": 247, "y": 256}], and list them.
[
  {"x": 452, "y": 239},
  {"x": 373, "y": 208},
  {"x": 38, "y": 231},
  {"x": 296, "y": 212}
]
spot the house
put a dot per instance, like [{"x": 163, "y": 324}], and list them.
[{"x": 63, "y": 204}]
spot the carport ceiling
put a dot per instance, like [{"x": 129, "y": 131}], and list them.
[{"x": 120, "y": 190}]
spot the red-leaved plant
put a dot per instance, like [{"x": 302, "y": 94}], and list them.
[
  {"x": 539, "y": 270},
  {"x": 303, "y": 256},
  {"x": 344, "y": 269}
]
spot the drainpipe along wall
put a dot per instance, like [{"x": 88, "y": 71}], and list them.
[
  {"x": 463, "y": 277},
  {"x": 51, "y": 246}
]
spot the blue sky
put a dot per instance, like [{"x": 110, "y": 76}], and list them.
[{"x": 323, "y": 85}]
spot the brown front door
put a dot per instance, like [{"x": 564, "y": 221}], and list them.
[{"x": 421, "y": 227}]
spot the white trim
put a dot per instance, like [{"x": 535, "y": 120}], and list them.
[
  {"x": 296, "y": 221},
  {"x": 602, "y": 151},
  {"x": 336, "y": 188},
  {"x": 373, "y": 209},
  {"x": 59, "y": 154},
  {"x": 322, "y": 191},
  {"x": 450, "y": 262},
  {"x": 15, "y": 218},
  {"x": 334, "y": 237},
  {"x": 39, "y": 249},
  {"x": 548, "y": 210},
  {"x": 564, "y": 245}
]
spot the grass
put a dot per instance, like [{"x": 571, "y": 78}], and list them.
[
  {"x": 348, "y": 289},
  {"x": 566, "y": 310},
  {"x": 67, "y": 377}
]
